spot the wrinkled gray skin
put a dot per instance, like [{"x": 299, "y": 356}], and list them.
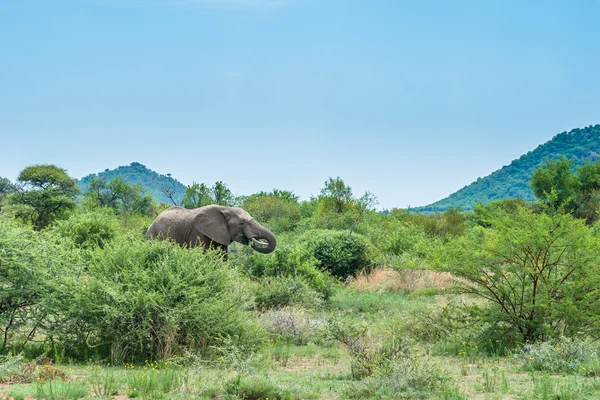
[{"x": 212, "y": 227}]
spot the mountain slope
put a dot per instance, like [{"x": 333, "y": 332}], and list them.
[
  {"x": 136, "y": 173},
  {"x": 512, "y": 181}
]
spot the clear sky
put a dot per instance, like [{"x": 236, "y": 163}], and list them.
[{"x": 408, "y": 99}]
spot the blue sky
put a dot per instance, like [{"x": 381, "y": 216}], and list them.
[{"x": 410, "y": 100}]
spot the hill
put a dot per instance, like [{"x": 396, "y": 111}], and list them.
[
  {"x": 512, "y": 181},
  {"x": 136, "y": 173}
]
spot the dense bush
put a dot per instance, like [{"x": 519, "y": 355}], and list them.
[
  {"x": 559, "y": 355},
  {"x": 339, "y": 253},
  {"x": 24, "y": 282},
  {"x": 147, "y": 301},
  {"x": 289, "y": 275},
  {"x": 539, "y": 272},
  {"x": 89, "y": 229}
]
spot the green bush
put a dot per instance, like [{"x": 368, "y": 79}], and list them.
[
  {"x": 255, "y": 387},
  {"x": 533, "y": 270},
  {"x": 142, "y": 300},
  {"x": 89, "y": 229},
  {"x": 563, "y": 355},
  {"x": 339, "y": 253},
  {"x": 294, "y": 268},
  {"x": 413, "y": 377},
  {"x": 280, "y": 291},
  {"x": 25, "y": 279}
]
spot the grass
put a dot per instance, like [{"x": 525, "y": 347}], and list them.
[{"x": 317, "y": 366}]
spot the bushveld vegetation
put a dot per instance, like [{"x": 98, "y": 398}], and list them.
[{"x": 498, "y": 302}]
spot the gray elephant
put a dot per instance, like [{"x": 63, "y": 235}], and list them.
[{"x": 212, "y": 227}]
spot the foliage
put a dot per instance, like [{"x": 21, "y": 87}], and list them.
[
  {"x": 23, "y": 283},
  {"x": 512, "y": 181},
  {"x": 336, "y": 195},
  {"x": 413, "y": 377},
  {"x": 162, "y": 188},
  {"x": 559, "y": 355},
  {"x": 278, "y": 210},
  {"x": 288, "y": 275},
  {"x": 339, "y": 253},
  {"x": 256, "y": 387},
  {"x": 559, "y": 187},
  {"x": 292, "y": 325},
  {"x": 44, "y": 193},
  {"x": 119, "y": 195},
  {"x": 6, "y": 188},
  {"x": 199, "y": 195},
  {"x": 88, "y": 229},
  {"x": 149, "y": 301},
  {"x": 281, "y": 291},
  {"x": 539, "y": 272}
]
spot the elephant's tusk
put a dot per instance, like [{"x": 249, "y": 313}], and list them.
[{"x": 259, "y": 242}]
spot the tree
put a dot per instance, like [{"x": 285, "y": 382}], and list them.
[
  {"x": 539, "y": 272},
  {"x": 44, "y": 193},
  {"x": 200, "y": 195},
  {"x": 6, "y": 188},
  {"x": 119, "y": 195},
  {"x": 555, "y": 183},
  {"x": 559, "y": 187},
  {"x": 278, "y": 209},
  {"x": 337, "y": 194}
]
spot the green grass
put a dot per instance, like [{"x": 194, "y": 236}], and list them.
[{"x": 320, "y": 367}]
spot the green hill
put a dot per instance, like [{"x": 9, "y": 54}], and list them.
[
  {"x": 136, "y": 173},
  {"x": 512, "y": 181}
]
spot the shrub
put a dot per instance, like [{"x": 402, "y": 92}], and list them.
[
  {"x": 89, "y": 229},
  {"x": 24, "y": 282},
  {"x": 339, "y": 253},
  {"x": 255, "y": 387},
  {"x": 281, "y": 291},
  {"x": 292, "y": 267},
  {"x": 559, "y": 355},
  {"x": 144, "y": 300},
  {"x": 292, "y": 326},
  {"x": 404, "y": 378},
  {"x": 534, "y": 269}
]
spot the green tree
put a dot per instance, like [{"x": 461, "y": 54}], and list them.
[
  {"x": 6, "y": 188},
  {"x": 555, "y": 183},
  {"x": 200, "y": 195},
  {"x": 23, "y": 283},
  {"x": 337, "y": 195},
  {"x": 539, "y": 272},
  {"x": 560, "y": 187},
  {"x": 44, "y": 193},
  {"x": 119, "y": 195},
  {"x": 279, "y": 210}
]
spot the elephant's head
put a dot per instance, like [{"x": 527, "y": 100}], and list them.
[{"x": 227, "y": 224}]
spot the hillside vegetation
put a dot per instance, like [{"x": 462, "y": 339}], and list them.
[
  {"x": 501, "y": 302},
  {"x": 152, "y": 182},
  {"x": 512, "y": 181}
]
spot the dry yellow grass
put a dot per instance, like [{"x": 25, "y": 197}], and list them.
[{"x": 408, "y": 280}]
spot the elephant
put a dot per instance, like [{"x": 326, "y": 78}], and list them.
[{"x": 211, "y": 226}]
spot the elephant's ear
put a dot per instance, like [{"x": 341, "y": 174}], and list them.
[{"x": 212, "y": 222}]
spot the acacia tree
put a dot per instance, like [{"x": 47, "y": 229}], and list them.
[
  {"x": 44, "y": 193},
  {"x": 539, "y": 272}
]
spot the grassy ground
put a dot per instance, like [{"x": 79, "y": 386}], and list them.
[{"x": 302, "y": 361}]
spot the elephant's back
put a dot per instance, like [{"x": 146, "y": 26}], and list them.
[{"x": 170, "y": 223}]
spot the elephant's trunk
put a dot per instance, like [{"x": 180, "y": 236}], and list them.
[{"x": 263, "y": 235}]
